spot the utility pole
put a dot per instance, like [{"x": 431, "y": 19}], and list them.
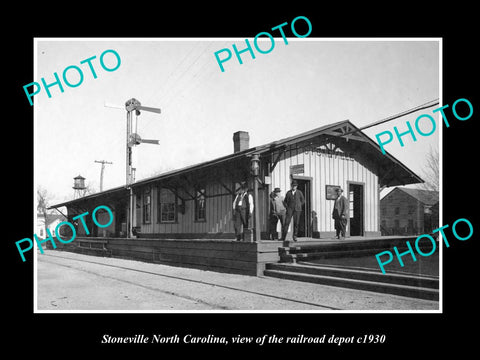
[{"x": 103, "y": 162}]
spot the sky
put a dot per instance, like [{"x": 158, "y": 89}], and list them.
[{"x": 297, "y": 87}]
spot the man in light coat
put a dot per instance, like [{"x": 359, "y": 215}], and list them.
[{"x": 277, "y": 212}]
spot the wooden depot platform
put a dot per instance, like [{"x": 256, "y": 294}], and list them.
[{"x": 227, "y": 255}]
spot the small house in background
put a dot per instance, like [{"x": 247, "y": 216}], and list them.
[
  {"x": 52, "y": 221},
  {"x": 405, "y": 211},
  {"x": 40, "y": 229}
]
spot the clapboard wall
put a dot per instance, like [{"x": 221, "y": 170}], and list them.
[
  {"x": 323, "y": 169},
  {"x": 219, "y": 213},
  {"x": 327, "y": 169}
]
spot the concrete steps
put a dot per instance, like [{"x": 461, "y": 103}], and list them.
[{"x": 423, "y": 287}]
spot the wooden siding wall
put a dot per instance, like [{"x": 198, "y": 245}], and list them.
[
  {"x": 324, "y": 170},
  {"x": 328, "y": 170},
  {"x": 218, "y": 212}
]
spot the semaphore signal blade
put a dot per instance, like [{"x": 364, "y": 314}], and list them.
[
  {"x": 156, "y": 142},
  {"x": 146, "y": 108}
]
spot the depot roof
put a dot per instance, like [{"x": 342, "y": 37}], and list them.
[{"x": 390, "y": 170}]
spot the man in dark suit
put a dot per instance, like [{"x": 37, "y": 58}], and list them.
[
  {"x": 294, "y": 201},
  {"x": 340, "y": 214},
  {"x": 242, "y": 211}
]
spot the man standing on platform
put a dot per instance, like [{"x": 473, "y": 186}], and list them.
[
  {"x": 242, "y": 211},
  {"x": 294, "y": 201},
  {"x": 340, "y": 214},
  {"x": 277, "y": 212}
]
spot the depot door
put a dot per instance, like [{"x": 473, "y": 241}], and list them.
[
  {"x": 355, "y": 198},
  {"x": 304, "y": 228}
]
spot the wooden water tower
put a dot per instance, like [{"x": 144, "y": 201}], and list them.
[{"x": 79, "y": 187}]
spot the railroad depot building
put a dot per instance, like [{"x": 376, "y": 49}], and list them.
[{"x": 194, "y": 204}]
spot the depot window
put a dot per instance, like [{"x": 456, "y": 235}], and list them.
[
  {"x": 200, "y": 205},
  {"x": 167, "y": 202}
]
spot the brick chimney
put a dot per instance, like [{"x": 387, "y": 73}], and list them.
[{"x": 241, "y": 141}]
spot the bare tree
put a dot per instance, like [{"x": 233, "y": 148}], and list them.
[
  {"x": 431, "y": 172},
  {"x": 89, "y": 189}
]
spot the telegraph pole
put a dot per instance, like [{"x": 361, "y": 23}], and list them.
[{"x": 103, "y": 162}]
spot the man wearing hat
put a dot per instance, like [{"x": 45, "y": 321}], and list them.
[
  {"x": 340, "y": 214},
  {"x": 277, "y": 212},
  {"x": 294, "y": 201},
  {"x": 242, "y": 211}
]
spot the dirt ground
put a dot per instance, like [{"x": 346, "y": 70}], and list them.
[{"x": 69, "y": 281}]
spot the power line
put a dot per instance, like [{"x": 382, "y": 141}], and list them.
[
  {"x": 193, "y": 82},
  {"x": 180, "y": 87},
  {"x": 192, "y": 85},
  {"x": 170, "y": 78},
  {"x": 173, "y": 72},
  {"x": 396, "y": 116},
  {"x": 185, "y": 71}
]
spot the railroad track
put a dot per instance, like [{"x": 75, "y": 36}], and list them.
[{"x": 206, "y": 283}]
